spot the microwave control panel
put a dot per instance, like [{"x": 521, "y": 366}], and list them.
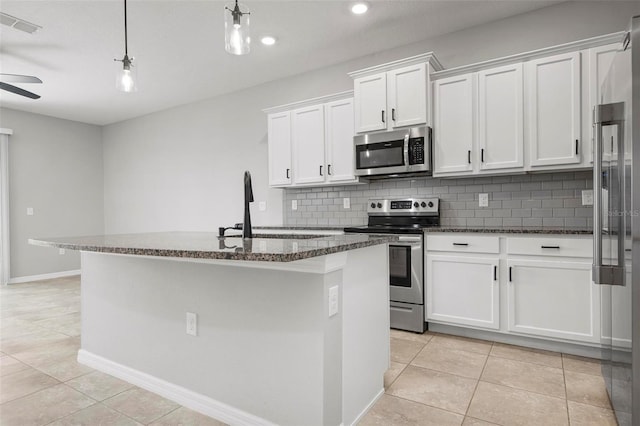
[{"x": 416, "y": 151}]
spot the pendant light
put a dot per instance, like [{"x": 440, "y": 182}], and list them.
[
  {"x": 236, "y": 30},
  {"x": 126, "y": 77}
]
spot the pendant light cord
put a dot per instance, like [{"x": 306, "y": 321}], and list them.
[{"x": 126, "y": 53}]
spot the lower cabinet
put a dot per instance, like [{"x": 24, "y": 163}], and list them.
[
  {"x": 463, "y": 290},
  {"x": 553, "y": 299}
]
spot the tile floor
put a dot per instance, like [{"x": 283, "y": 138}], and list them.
[{"x": 434, "y": 379}]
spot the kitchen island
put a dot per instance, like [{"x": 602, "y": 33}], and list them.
[{"x": 290, "y": 330}]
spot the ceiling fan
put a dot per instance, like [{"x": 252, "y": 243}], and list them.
[{"x": 17, "y": 78}]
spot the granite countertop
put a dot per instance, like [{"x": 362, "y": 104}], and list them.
[
  {"x": 207, "y": 245},
  {"x": 541, "y": 230},
  {"x": 302, "y": 227}
]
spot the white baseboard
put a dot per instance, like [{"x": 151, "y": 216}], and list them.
[
  {"x": 193, "y": 400},
  {"x": 368, "y": 407},
  {"x": 29, "y": 278}
]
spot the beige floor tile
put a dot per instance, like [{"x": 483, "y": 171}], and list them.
[
  {"x": 524, "y": 375},
  {"x": 534, "y": 356},
  {"x": 23, "y": 383},
  {"x": 27, "y": 342},
  {"x": 9, "y": 365},
  {"x": 415, "y": 337},
  {"x": 98, "y": 385},
  {"x": 587, "y": 389},
  {"x": 141, "y": 405},
  {"x": 185, "y": 417},
  {"x": 49, "y": 353},
  {"x": 65, "y": 369},
  {"x": 440, "y": 390},
  {"x": 580, "y": 364},
  {"x": 508, "y": 406},
  {"x": 390, "y": 410},
  {"x": 392, "y": 373},
  {"x": 96, "y": 414},
  {"x": 448, "y": 360},
  {"x": 588, "y": 415},
  {"x": 470, "y": 421},
  {"x": 43, "y": 407},
  {"x": 403, "y": 351},
  {"x": 462, "y": 343}
]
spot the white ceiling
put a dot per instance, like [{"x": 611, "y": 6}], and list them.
[{"x": 179, "y": 46}]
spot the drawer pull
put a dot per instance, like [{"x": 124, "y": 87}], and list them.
[
  {"x": 460, "y": 244},
  {"x": 495, "y": 273},
  {"x": 510, "y": 280},
  {"x": 550, "y": 247}
]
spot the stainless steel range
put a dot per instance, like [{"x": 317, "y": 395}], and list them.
[{"x": 404, "y": 218}]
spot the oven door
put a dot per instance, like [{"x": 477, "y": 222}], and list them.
[
  {"x": 381, "y": 158},
  {"x": 406, "y": 275}
]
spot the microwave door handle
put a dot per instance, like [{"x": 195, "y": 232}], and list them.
[{"x": 406, "y": 151}]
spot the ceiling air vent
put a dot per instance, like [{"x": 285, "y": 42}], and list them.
[{"x": 18, "y": 24}]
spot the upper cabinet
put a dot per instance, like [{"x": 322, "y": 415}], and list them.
[
  {"x": 393, "y": 95},
  {"x": 554, "y": 110},
  {"x": 311, "y": 142}
]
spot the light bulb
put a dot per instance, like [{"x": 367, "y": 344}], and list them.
[
  {"x": 127, "y": 81},
  {"x": 236, "y": 40}
]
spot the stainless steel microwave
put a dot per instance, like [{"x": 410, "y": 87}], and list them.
[{"x": 394, "y": 153}]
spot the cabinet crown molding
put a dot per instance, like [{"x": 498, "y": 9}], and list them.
[
  {"x": 428, "y": 57},
  {"x": 309, "y": 102},
  {"x": 533, "y": 54}
]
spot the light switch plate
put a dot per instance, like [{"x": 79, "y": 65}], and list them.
[
  {"x": 262, "y": 206},
  {"x": 333, "y": 300},
  {"x": 29, "y": 211},
  {"x": 294, "y": 204},
  {"x": 587, "y": 197},
  {"x": 483, "y": 200},
  {"x": 346, "y": 203},
  {"x": 61, "y": 251},
  {"x": 192, "y": 324}
]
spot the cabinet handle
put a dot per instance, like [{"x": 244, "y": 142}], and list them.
[
  {"x": 577, "y": 146},
  {"x": 510, "y": 280},
  {"x": 288, "y": 170},
  {"x": 329, "y": 169},
  {"x": 550, "y": 247},
  {"x": 469, "y": 156},
  {"x": 393, "y": 114},
  {"x": 320, "y": 170},
  {"x": 495, "y": 273},
  {"x": 383, "y": 116},
  {"x": 482, "y": 155},
  {"x": 460, "y": 244}
]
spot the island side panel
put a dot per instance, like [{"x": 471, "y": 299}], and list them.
[{"x": 265, "y": 344}]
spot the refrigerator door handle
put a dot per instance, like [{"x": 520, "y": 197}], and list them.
[{"x": 607, "y": 115}]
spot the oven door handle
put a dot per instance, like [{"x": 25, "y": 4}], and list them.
[{"x": 410, "y": 239}]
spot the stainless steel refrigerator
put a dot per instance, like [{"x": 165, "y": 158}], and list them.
[{"x": 616, "y": 182}]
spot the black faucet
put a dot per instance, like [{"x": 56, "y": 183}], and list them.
[{"x": 248, "y": 198}]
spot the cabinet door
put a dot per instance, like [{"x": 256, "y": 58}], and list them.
[
  {"x": 339, "y": 140},
  {"x": 307, "y": 130},
  {"x": 279, "y": 135},
  {"x": 453, "y": 127},
  {"x": 553, "y": 299},
  {"x": 554, "y": 110},
  {"x": 462, "y": 290},
  {"x": 407, "y": 92},
  {"x": 370, "y": 95},
  {"x": 500, "y": 117}
]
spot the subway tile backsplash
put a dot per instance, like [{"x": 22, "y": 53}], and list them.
[{"x": 531, "y": 200}]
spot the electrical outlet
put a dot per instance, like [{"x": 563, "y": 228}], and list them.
[
  {"x": 346, "y": 203},
  {"x": 294, "y": 246},
  {"x": 192, "y": 324},
  {"x": 294, "y": 204},
  {"x": 483, "y": 200},
  {"x": 263, "y": 246},
  {"x": 333, "y": 300},
  {"x": 587, "y": 197},
  {"x": 61, "y": 251},
  {"x": 262, "y": 206},
  {"x": 29, "y": 211}
]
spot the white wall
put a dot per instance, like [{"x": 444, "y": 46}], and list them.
[
  {"x": 55, "y": 167},
  {"x": 181, "y": 169}
]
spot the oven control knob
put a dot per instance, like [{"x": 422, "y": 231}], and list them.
[
  {"x": 430, "y": 203},
  {"x": 416, "y": 205},
  {"x": 423, "y": 204},
  {"x": 373, "y": 205},
  {"x": 379, "y": 205}
]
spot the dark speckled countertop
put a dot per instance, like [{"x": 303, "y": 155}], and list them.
[{"x": 207, "y": 245}]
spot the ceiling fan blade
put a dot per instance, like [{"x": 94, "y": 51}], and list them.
[
  {"x": 18, "y": 91},
  {"x": 18, "y": 78}
]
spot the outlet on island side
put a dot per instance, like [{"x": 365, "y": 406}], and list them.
[
  {"x": 333, "y": 300},
  {"x": 192, "y": 324}
]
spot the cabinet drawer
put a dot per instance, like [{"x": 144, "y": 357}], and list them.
[
  {"x": 463, "y": 243},
  {"x": 558, "y": 247}
]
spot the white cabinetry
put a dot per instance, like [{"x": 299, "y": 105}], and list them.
[
  {"x": 311, "y": 142},
  {"x": 393, "y": 95},
  {"x": 554, "y": 110}
]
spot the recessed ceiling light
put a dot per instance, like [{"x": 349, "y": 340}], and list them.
[
  {"x": 359, "y": 8},
  {"x": 268, "y": 40}
]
